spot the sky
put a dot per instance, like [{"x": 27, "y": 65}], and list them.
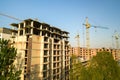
[{"x": 69, "y": 15}]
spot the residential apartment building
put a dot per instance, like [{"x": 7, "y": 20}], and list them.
[
  {"x": 5, "y": 33},
  {"x": 87, "y": 54},
  {"x": 43, "y": 51}
]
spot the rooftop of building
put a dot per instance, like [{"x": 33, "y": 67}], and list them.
[
  {"x": 5, "y": 30},
  {"x": 46, "y": 25}
]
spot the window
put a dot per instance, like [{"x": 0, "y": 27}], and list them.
[
  {"x": 25, "y": 60},
  {"x": 45, "y": 67},
  {"x": 44, "y": 74},
  {"x": 27, "y": 30},
  {"x": 45, "y": 39},
  {"x": 45, "y": 45},
  {"x": 54, "y": 58},
  {"x": 35, "y": 31},
  {"x": 45, "y": 59},
  {"x": 57, "y": 64},
  {"x": 21, "y": 32},
  {"x": 57, "y": 58},
  {"x": 54, "y": 65},
  {"x": 54, "y": 71},
  {"x": 45, "y": 52},
  {"x": 57, "y": 70},
  {"x": 25, "y": 53},
  {"x": 54, "y": 53}
]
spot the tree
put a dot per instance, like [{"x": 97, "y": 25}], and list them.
[
  {"x": 8, "y": 71},
  {"x": 103, "y": 67},
  {"x": 100, "y": 67},
  {"x": 75, "y": 68}
]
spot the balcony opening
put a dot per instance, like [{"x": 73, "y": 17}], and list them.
[
  {"x": 45, "y": 52},
  {"x": 36, "y": 32},
  {"x": 21, "y": 32},
  {"x": 46, "y": 39},
  {"x": 45, "y": 59},
  {"x": 45, "y": 45}
]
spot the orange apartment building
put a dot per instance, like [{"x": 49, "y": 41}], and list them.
[
  {"x": 86, "y": 54},
  {"x": 43, "y": 51}
]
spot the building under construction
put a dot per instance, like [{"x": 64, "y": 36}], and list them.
[
  {"x": 43, "y": 51},
  {"x": 84, "y": 54},
  {"x": 5, "y": 33}
]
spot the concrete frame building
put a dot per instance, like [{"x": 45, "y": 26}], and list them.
[
  {"x": 5, "y": 33},
  {"x": 86, "y": 55},
  {"x": 43, "y": 51}
]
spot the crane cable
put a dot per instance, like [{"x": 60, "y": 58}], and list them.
[{"x": 10, "y": 17}]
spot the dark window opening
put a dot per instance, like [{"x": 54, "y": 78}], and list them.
[
  {"x": 35, "y": 31},
  {"x": 44, "y": 74},
  {"x": 21, "y": 32},
  {"x": 45, "y": 52},
  {"x": 46, "y": 39},
  {"x": 45, "y": 67},
  {"x": 45, "y": 59},
  {"x": 27, "y": 30}
]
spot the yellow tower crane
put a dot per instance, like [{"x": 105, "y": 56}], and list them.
[
  {"x": 88, "y": 25},
  {"x": 78, "y": 40}
]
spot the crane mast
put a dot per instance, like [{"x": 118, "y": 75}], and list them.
[
  {"x": 87, "y": 25},
  {"x": 78, "y": 40},
  {"x": 116, "y": 36},
  {"x": 87, "y": 33},
  {"x": 78, "y": 44}
]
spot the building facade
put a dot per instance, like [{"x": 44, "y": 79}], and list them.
[
  {"x": 43, "y": 51},
  {"x": 5, "y": 33},
  {"x": 87, "y": 54}
]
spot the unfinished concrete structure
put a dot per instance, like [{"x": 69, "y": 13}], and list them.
[
  {"x": 84, "y": 53},
  {"x": 43, "y": 51},
  {"x": 5, "y": 33}
]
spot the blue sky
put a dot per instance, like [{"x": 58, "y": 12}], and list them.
[{"x": 69, "y": 15}]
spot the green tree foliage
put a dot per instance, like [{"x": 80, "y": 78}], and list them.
[
  {"x": 100, "y": 67},
  {"x": 75, "y": 68},
  {"x": 7, "y": 57},
  {"x": 103, "y": 67}
]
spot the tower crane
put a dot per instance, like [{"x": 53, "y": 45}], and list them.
[
  {"x": 78, "y": 40},
  {"x": 78, "y": 44},
  {"x": 88, "y": 25},
  {"x": 116, "y": 36}
]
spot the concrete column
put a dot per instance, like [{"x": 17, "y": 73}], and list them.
[
  {"x": 13, "y": 32},
  {"x": 40, "y": 31},
  {"x": 32, "y": 27},
  {"x": 24, "y": 24},
  {"x": 32, "y": 24},
  {"x": 18, "y": 29},
  {"x": 31, "y": 31},
  {"x": 40, "y": 26}
]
